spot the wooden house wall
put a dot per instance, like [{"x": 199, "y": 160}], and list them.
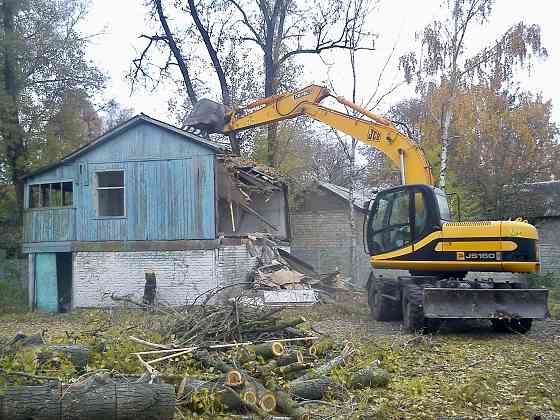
[{"x": 169, "y": 191}]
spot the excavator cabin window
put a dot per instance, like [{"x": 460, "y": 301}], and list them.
[{"x": 400, "y": 217}]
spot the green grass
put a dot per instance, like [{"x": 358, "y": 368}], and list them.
[{"x": 469, "y": 375}]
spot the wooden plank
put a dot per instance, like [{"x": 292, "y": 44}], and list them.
[{"x": 131, "y": 246}]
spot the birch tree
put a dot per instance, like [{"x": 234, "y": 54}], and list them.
[{"x": 445, "y": 62}]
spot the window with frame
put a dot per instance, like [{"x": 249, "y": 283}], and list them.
[
  {"x": 110, "y": 194},
  {"x": 390, "y": 224},
  {"x": 53, "y": 194}
]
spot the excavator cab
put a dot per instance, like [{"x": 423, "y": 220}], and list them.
[{"x": 404, "y": 215}]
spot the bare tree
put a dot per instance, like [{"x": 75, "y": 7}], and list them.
[{"x": 277, "y": 30}]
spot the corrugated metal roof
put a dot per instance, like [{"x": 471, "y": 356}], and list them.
[
  {"x": 361, "y": 197},
  {"x": 189, "y": 134},
  {"x": 531, "y": 200}
]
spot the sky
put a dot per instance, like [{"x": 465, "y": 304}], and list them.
[{"x": 118, "y": 23}]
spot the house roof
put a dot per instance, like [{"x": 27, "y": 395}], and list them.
[
  {"x": 361, "y": 197},
  {"x": 190, "y": 134},
  {"x": 534, "y": 200}
]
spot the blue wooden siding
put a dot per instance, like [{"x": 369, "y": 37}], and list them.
[
  {"x": 49, "y": 225},
  {"x": 169, "y": 191}
]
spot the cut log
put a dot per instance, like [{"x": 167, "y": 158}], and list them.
[
  {"x": 249, "y": 393},
  {"x": 245, "y": 399},
  {"x": 265, "y": 399},
  {"x": 294, "y": 356},
  {"x": 294, "y": 367},
  {"x": 227, "y": 397},
  {"x": 289, "y": 407},
  {"x": 324, "y": 369},
  {"x": 91, "y": 400},
  {"x": 268, "y": 350},
  {"x": 321, "y": 347},
  {"x": 314, "y": 389},
  {"x": 209, "y": 360},
  {"x": 234, "y": 378},
  {"x": 369, "y": 377}
]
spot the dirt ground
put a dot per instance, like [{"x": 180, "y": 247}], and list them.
[{"x": 466, "y": 371}]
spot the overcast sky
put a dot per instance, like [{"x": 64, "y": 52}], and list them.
[{"x": 395, "y": 21}]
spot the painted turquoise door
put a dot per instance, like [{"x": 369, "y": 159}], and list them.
[{"x": 46, "y": 286}]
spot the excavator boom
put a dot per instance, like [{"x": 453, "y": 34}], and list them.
[{"x": 374, "y": 131}]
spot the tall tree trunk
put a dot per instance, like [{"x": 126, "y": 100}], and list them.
[
  {"x": 269, "y": 90},
  {"x": 352, "y": 215},
  {"x": 11, "y": 130},
  {"x": 447, "y": 116},
  {"x": 176, "y": 53},
  {"x": 226, "y": 95}
]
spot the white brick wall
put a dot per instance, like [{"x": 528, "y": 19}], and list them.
[{"x": 180, "y": 275}]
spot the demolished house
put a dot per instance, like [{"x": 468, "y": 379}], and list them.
[{"x": 146, "y": 197}]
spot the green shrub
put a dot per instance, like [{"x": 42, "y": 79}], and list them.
[{"x": 13, "y": 297}]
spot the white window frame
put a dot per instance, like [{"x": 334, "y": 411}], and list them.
[
  {"x": 34, "y": 184},
  {"x": 97, "y": 188}
]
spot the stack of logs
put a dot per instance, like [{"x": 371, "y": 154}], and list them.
[{"x": 272, "y": 377}]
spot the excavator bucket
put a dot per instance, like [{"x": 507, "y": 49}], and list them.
[
  {"x": 485, "y": 303},
  {"x": 208, "y": 115}
]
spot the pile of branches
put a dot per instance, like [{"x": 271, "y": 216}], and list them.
[
  {"x": 231, "y": 323},
  {"x": 200, "y": 323}
]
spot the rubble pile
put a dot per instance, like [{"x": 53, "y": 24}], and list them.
[{"x": 278, "y": 271}]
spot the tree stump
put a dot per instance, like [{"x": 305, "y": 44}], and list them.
[{"x": 150, "y": 289}]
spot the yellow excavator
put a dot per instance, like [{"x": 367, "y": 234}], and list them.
[{"x": 409, "y": 227}]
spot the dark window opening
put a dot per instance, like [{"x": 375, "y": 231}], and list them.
[
  {"x": 67, "y": 194},
  {"x": 54, "y": 194},
  {"x": 110, "y": 194},
  {"x": 45, "y": 195}
]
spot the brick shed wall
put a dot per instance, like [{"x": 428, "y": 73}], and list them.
[
  {"x": 549, "y": 244},
  {"x": 180, "y": 275},
  {"x": 322, "y": 238}
]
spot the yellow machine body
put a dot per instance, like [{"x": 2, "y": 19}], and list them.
[{"x": 508, "y": 246}]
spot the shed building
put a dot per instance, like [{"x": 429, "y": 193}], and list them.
[
  {"x": 321, "y": 230},
  {"x": 144, "y": 197},
  {"x": 539, "y": 203}
]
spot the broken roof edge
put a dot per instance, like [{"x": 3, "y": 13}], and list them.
[
  {"x": 115, "y": 131},
  {"x": 254, "y": 169},
  {"x": 360, "y": 199}
]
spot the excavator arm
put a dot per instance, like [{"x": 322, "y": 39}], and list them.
[{"x": 375, "y": 131}]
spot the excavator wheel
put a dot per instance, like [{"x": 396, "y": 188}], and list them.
[
  {"x": 520, "y": 326},
  {"x": 382, "y": 308},
  {"x": 413, "y": 312}
]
